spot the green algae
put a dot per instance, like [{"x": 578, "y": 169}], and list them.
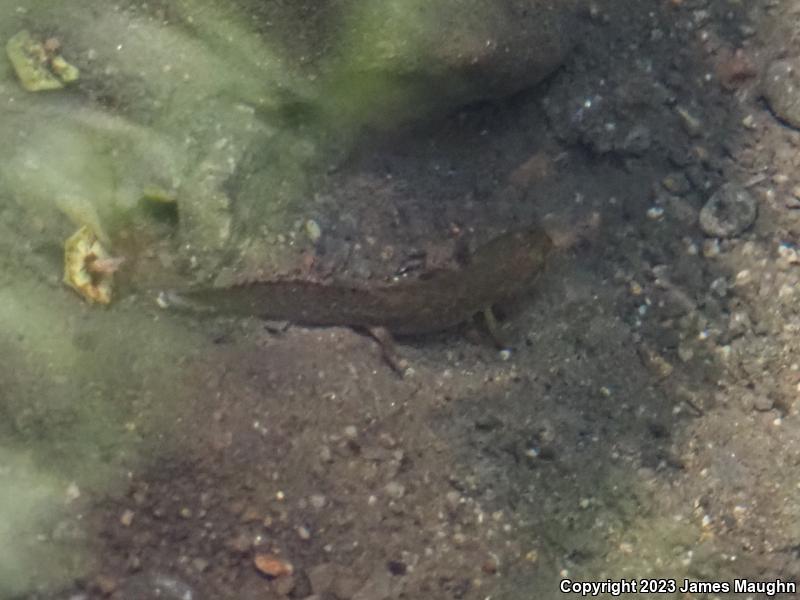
[
  {"x": 236, "y": 124},
  {"x": 229, "y": 130},
  {"x": 84, "y": 399},
  {"x": 37, "y": 548}
]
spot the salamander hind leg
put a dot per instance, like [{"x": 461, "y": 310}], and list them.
[{"x": 389, "y": 349}]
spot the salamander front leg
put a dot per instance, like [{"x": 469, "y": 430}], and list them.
[{"x": 389, "y": 349}]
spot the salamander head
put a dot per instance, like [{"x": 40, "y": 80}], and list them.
[{"x": 511, "y": 262}]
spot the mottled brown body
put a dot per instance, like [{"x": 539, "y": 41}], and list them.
[{"x": 502, "y": 269}]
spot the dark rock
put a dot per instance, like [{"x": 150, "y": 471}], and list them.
[
  {"x": 397, "y": 567},
  {"x": 729, "y": 211},
  {"x": 676, "y": 183}
]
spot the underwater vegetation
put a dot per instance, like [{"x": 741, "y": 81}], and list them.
[
  {"x": 172, "y": 137},
  {"x": 38, "y": 65}
]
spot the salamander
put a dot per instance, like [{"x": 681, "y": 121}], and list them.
[{"x": 500, "y": 270}]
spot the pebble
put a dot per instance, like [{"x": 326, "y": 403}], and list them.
[
  {"x": 326, "y": 454},
  {"x": 313, "y": 230},
  {"x": 272, "y": 566},
  {"x": 719, "y": 287},
  {"x": 318, "y": 501},
  {"x": 73, "y": 492},
  {"x": 127, "y": 518},
  {"x": 491, "y": 565},
  {"x": 711, "y": 248},
  {"x": 692, "y": 125},
  {"x": 397, "y": 567},
  {"x": 638, "y": 140},
  {"x": 781, "y": 88},
  {"x": 676, "y": 183},
  {"x": 453, "y": 499},
  {"x": 788, "y": 254},
  {"x": 738, "y": 324},
  {"x": 744, "y": 277},
  {"x": 395, "y": 490},
  {"x": 105, "y": 584},
  {"x": 729, "y": 211},
  {"x": 762, "y": 403},
  {"x": 240, "y": 544},
  {"x": 685, "y": 352},
  {"x": 200, "y": 564}
]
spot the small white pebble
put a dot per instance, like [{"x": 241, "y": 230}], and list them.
[
  {"x": 313, "y": 230},
  {"x": 73, "y": 492},
  {"x": 127, "y": 518},
  {"x": 395, "y": 490},
  {"x": 453, "y": 498},
  {"x": 743, "y": 277},
  {"x": 788, "y": 254}
]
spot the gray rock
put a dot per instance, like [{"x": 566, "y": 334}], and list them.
[
  {"x": 729, "y": 211},
  {"x": 781, "y": 88},
  {"x": 465, "y": 50},
  {"x": 763, "y": 403}
]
